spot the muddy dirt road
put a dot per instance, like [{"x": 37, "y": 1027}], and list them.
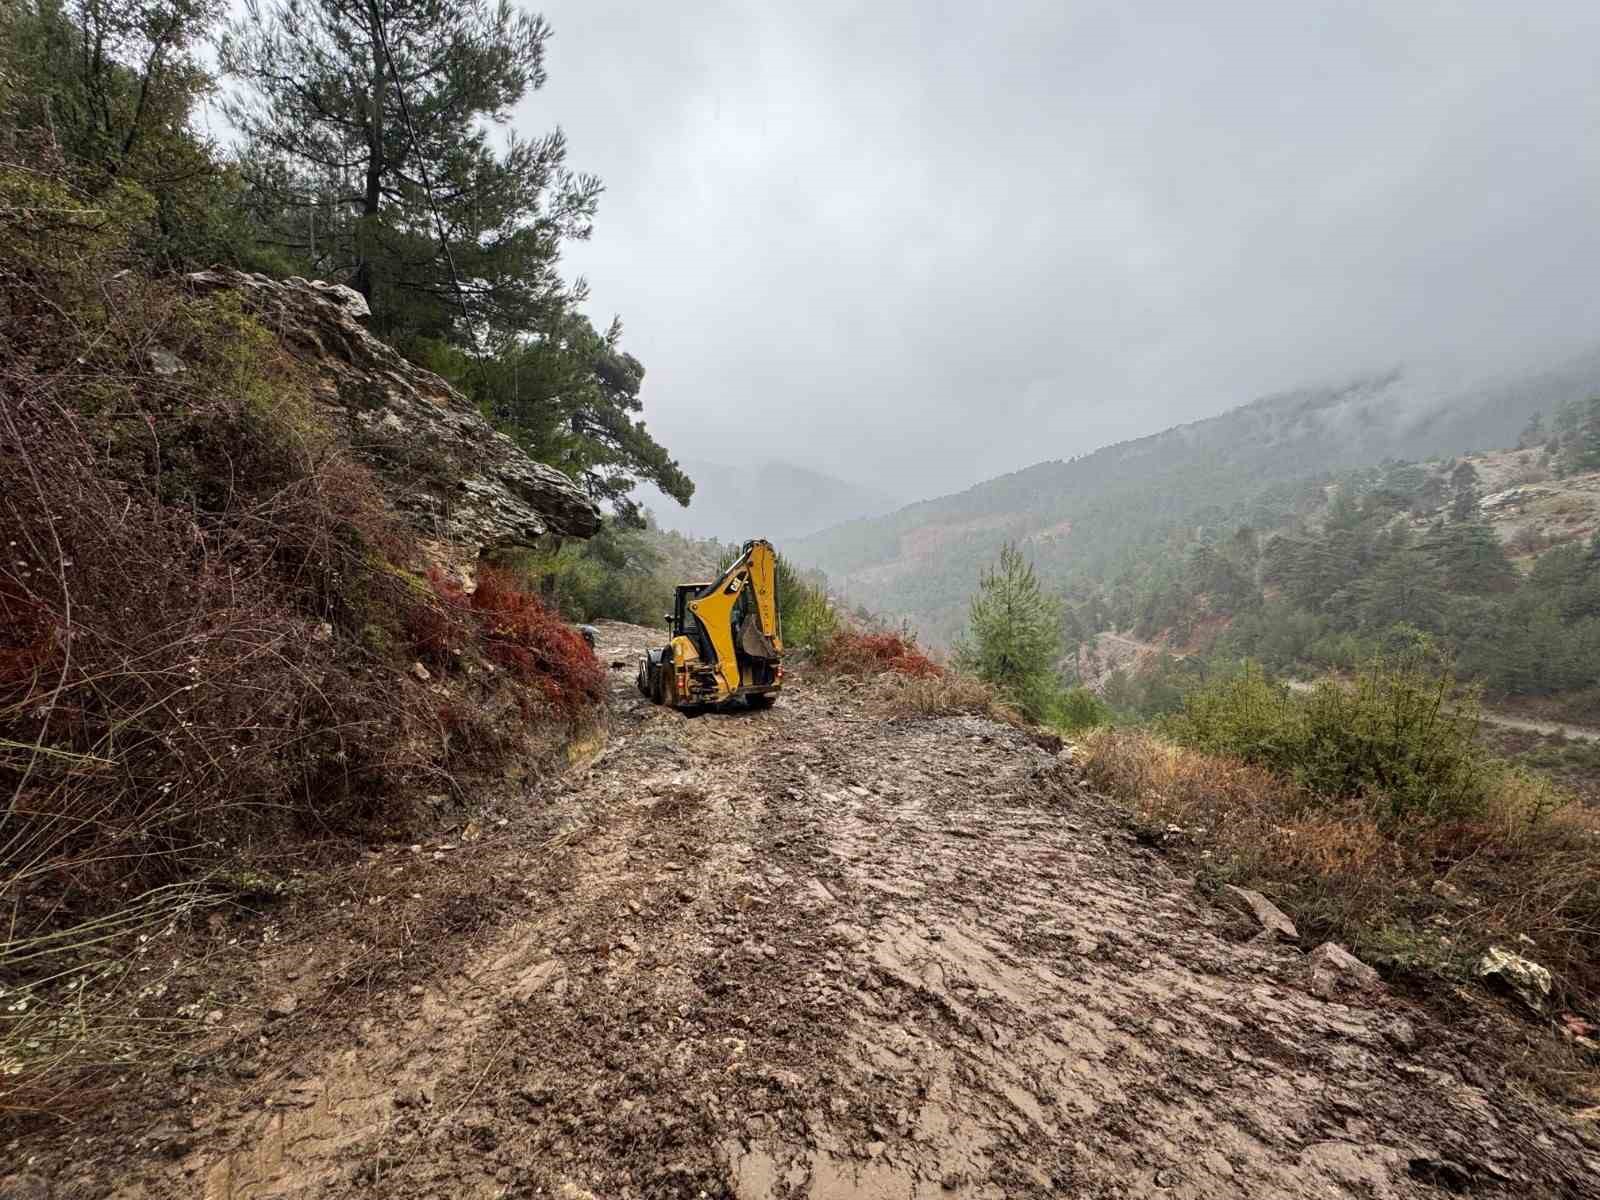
[{"x": 812, "y": 952}]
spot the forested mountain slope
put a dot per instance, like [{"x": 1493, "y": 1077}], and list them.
[
  {"x": 1089, "y": 518},
  {"x": 1494, "y": 558}
]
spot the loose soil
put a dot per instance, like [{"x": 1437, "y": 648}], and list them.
[{"x": 806, "y": 952}]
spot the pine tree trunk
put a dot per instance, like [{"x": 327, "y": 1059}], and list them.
[{"x": 372, "y": 197}]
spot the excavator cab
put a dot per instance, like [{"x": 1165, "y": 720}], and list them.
[{"x": 725, "y": 643}]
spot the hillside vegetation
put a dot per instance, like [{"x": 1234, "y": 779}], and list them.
[
  {"x": 1504, "y": 586},
  {"x": 260, "y": 602},
  {"x": 1088, "y": 520}
]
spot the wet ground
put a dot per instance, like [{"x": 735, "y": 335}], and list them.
[{"x": 816, "y": 952}]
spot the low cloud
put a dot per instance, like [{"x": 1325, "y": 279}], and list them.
[{"x": 916, "y": 245}]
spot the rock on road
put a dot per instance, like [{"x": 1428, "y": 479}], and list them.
[{"x": 818, "y": 952}]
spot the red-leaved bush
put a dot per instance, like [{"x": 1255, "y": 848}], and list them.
[
  {"x": 852, "y": 652},
  {"x": 514, "y": 629}
]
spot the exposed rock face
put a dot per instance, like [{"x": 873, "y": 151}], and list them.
[{"x": 447, "y": 469}]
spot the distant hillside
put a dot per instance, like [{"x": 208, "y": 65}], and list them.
[
  {"x": 1490, "y": 561},
  {"x": 775, "y": 500},
  {"x": 1090, "y": 518}
]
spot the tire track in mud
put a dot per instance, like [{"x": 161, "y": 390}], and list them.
[{"x": 814, "y": 952}]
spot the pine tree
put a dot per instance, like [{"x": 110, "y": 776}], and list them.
[
  {"x": 570, "y": 397},
  {"x": 369, "y": 156},
  {"x": 1014, "y": 634},
  {"x": 1470, "y": 559},
  {"x": 1464, "y": 485}
]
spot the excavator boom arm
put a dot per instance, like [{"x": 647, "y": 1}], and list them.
[{"x": 756, "y": 568}]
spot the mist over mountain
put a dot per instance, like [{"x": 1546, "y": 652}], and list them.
[
  {"x": 1087, "y": 517},
  {"x": 775, "y": 500}
]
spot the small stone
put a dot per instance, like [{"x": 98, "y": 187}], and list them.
[
  {"x": 165, "y": 362},
  {"x": 1168, "y": 1177},
  {"x": 214, "y": 1017},
  {"x": 1334, "y": 970},
  {"x": 1401, "y": 1033},
  {"x": 420, "y": 673},
  {"x": 1446, "y": 891},
  {"x": 876, "y": 1149},
  {"x": 416, "y": 989},
  {"x": 283, "y": 1006},
  {"x": 952, "y": 1181},
  {"x": 1524, "y": 979},
  {"x": 1275, "y": 924}
]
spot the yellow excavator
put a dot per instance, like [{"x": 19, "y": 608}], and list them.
[{"x": 726, "y": 644}]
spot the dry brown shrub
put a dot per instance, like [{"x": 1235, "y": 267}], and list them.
[
  {"x": 189, "y": 571},
  {"x": 948, "y": 694}
]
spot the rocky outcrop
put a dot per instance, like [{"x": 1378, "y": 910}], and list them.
[{"x": 453, "y": 475}]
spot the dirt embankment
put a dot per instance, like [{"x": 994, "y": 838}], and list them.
[{"x": 812, "y": 952}]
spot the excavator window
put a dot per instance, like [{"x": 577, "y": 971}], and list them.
[{"x": 683, "y": 621}]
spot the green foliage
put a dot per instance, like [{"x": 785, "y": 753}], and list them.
[
  {"x": 1577, "y": 439},
  {"x": 370, "y": 157},
  {"x": 1077, "y": 709},
  {"x": 570, "y": 398},
  {"x": 805, "y": 613},
  {"x": 106, "y": 92},
  {"x": 1014, "y": 635},
  {"x": 1400, "y": 735},
  {"x": 617, "y": 575}
]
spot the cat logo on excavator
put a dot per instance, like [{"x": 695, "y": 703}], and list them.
[{"x": 725, "y": 641}]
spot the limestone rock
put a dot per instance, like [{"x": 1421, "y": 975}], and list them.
[
  {"x": 1334, "y": 970},
  {"x": 1275, "y": 924},
  {"x": 445, "y": 469},
  {"x": 1523, "y": 978}
]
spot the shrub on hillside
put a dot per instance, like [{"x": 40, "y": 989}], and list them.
[
  {"x": 618, "y": 575},
  {"x": 1013, "y": 637},
  {"x": 514, "y": 629},
  {"x": 1399, "y": 735},
  {"x": 1078, "y": 709},
  {"x": 805, "y": 614}
]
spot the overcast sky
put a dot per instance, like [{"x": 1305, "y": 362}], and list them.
[{"x": 920, "y": 244}]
